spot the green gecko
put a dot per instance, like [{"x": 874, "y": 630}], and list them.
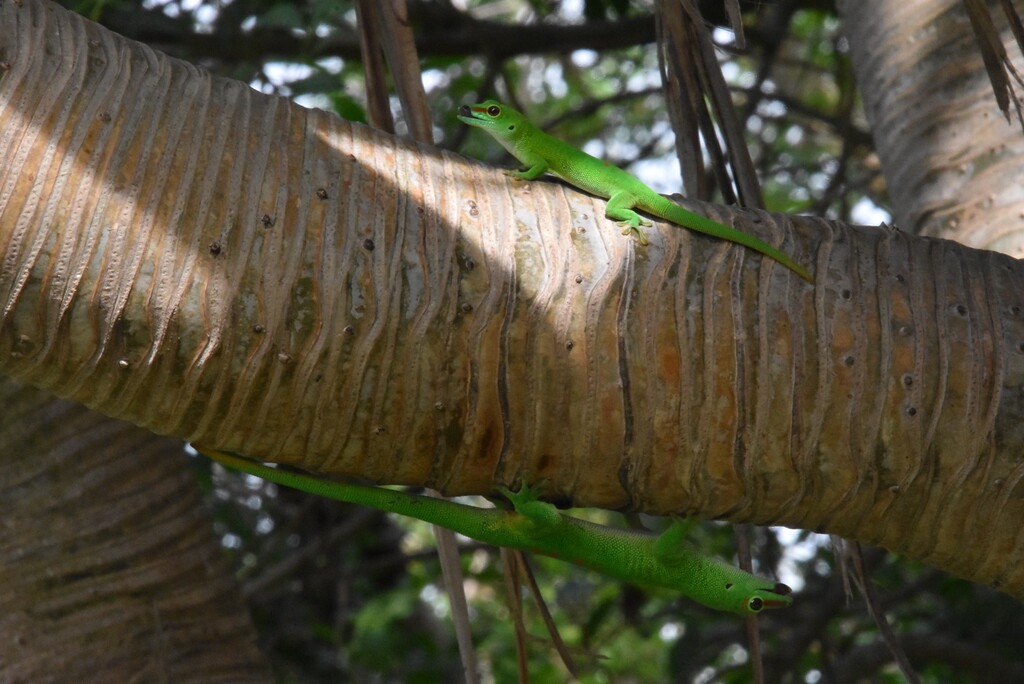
[
  {"x": 541, "y": 152},
  {"x": 634, "y": 556}
]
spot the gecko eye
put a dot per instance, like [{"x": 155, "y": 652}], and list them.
[
  {"x": 755, "y": 605},
  {"x": 493, "y": 110}
]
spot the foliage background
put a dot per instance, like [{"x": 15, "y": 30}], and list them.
[{"x": 344, "y": 594}]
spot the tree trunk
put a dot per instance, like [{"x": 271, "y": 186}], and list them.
[
  {"x": 109, "y": 570},
  {"x": 220, "y": 265},
  {"x": 952, "y": 160}
]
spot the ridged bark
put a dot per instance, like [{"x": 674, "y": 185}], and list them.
[
  {"x": 952, "y": 160},
  {"x": 109, "y": 568},
  {"x": 209, "y": 262}
]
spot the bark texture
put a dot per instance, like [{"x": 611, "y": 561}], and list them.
[
  {"x": 109, "y": 569},
  {"x": 213, "y": 263},
  {"x": 952, "y": 160}
]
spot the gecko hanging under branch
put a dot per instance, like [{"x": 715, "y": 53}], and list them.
[{"x": 635, "y": 556}]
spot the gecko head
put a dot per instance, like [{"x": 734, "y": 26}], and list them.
[
  {"x": 494, "y": 117},
  {"x": 755, "y": 600}
]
